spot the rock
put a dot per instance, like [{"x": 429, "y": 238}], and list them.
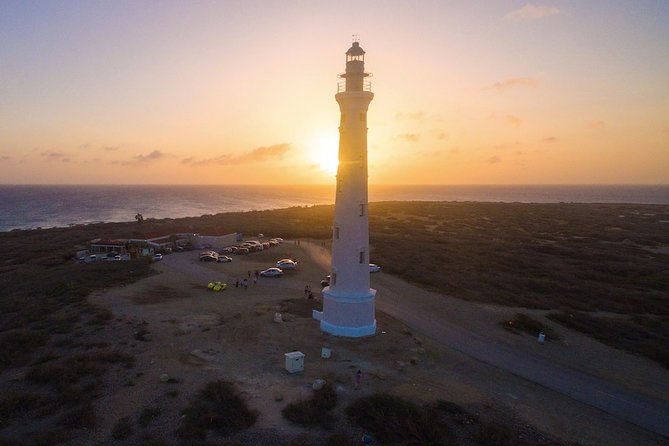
[
  {"x": 414, "y": 361},
  {"x": 278, "y": 317},
  {"x": 146, "y": 337},
  {"x": 318, "y": 384},
  {"x": 417, "y": 340},
  {"x": 164, "y": 377}
]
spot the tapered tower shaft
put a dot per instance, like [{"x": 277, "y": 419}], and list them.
[{"x": 348, "y": 303}]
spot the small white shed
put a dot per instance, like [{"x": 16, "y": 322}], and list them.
[{"x": 294, "y": 362}]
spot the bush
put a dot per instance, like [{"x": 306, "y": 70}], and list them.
[
  {"x": 148, "y": 415},
  {"x": 122, "y": 429},
  {"x": 393, "y": 420},
  {"x": 219, "y": 408},
  {"x": 314, "y": 411}
]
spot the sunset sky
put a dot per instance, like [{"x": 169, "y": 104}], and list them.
[{"x": 231, "y": 92}]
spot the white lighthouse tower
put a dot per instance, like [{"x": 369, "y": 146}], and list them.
[{"x": 348, "y": 303}]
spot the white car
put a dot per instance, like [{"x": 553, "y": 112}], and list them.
[
  {"x": 224, "y": 259},
  {"x": 272, "y": 272},
  {"x": 374, "y": 268},
  {"x": 157, "y": 257},
  {"x": 286, "y": 264}
]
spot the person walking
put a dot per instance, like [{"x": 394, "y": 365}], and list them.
[
  {"x": 245, "y": 283},
  {"x": 237, "y": 283},
  {"x": 358, "y": 378}
]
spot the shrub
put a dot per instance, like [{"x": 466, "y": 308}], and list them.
[
  {"x": 314, "y": 411},
  {"x": 148, "y": 415},
  {"x": 218, "y": 407},
  {"x": 122, "y": 429},
  {"x": 393, "y": 420}
]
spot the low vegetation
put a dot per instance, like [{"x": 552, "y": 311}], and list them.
[
  {"x": 522, "y": 323},
  {"x": 315, "y": 411},
  {"x": 644, "y": 335},
  {"x": 219, "y": 408}
]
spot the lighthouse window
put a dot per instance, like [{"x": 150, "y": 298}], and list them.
[
  {"x": 362, "y": 257},
  {"x": 363, "y": 117},
  {"x": 362, "y": 210}
]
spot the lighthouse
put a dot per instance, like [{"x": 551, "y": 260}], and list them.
[{"x": 348, "y": 302}]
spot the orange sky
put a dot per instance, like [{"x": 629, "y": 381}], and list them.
[{"x": 467, "y": 92}]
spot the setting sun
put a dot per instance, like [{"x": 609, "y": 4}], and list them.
[{"x": 324, "y": 154}]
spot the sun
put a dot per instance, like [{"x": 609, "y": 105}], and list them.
[{"x": 324, "y": 154}]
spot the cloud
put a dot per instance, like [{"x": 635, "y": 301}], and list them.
[
  {"x": 454, "y": 151},
  {"x": 441, "y": 135},
  {"x": 494, "y": 160},
  {"x": 411, "y": 137},
  {"x": 52, "y": 155},
  {"x": 143, "y": 160},
  {"x": 550, "y": 139},
  {"x": 509, "y": 119},
  {"x": 519, "y": 153},
  {"x": 254, "y": 156},
  {"x": 418, "y": 116},
  {"x": 109, "y": 148},
  {"x": 153, "y": 156},
  {"x": 514, "y": 82},
  {"x": 5, "y": 158},
  {"x": 531, "y": 12}
]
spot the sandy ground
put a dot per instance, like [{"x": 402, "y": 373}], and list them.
[{"x": 196, "y": 336}]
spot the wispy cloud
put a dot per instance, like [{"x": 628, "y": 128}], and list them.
[
  {"x": 509, "y": 119},
  {"x": 531, "y": 12},
  {"x": 441, "y": 135},
  {"x": 5, "y": 158},
  {"x": 418, "y": 116},
  {"x": 550, "y": 139},
  {"x": 259, "y": 154},
  {"x": 109, "y": 148},
  {"x": 53, "y": 155},
  {"x": 143, "y": 160},
  {"x": 454, "y": 151},
  {"x": 411, "y": 137},
  {"x": 514, "y": 82},
  {"x": 494, "y": 160}
]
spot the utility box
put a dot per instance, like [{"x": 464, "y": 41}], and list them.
[{"x": 294, "y": 362}]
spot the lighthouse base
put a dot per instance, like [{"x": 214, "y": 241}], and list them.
[{"x": 348, "y": 316}]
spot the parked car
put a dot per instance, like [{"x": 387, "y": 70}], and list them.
[
  {"x": 286, "y": 264},
  {"x": 208, "y": 258},
  {"x": 224, "y": 259},
  {"x": 157, "y": 257},
  {"x": 242, "y": 251},
  {"x": 374, "y": 268},
  {"x": 272, "y": 272}
]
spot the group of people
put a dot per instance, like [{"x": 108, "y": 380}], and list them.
[{"x": 244, "y": 282}]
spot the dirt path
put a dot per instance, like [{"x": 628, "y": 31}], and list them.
[{"x": 418, "y": 310}]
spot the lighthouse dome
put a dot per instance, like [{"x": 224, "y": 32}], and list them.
[{"x": 355, "y": 50}]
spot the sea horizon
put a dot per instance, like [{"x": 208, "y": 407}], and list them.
[{"x": 26, "y": 206}]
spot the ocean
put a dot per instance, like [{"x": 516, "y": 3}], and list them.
[{"x": 32, "y": 206}]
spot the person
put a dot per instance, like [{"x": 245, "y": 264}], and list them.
[
  {"x": 255, "y": 280},
  {"x": 306, "y": 290},
  {"x": 358, "y": 378},
  {"x": 257, "y": 274},
  {"x": 311, "y": 295},
  {"x": 248, "y": 274},
  {"x": 237, "y": 283},
  {"x": 245, "y": 283}
]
